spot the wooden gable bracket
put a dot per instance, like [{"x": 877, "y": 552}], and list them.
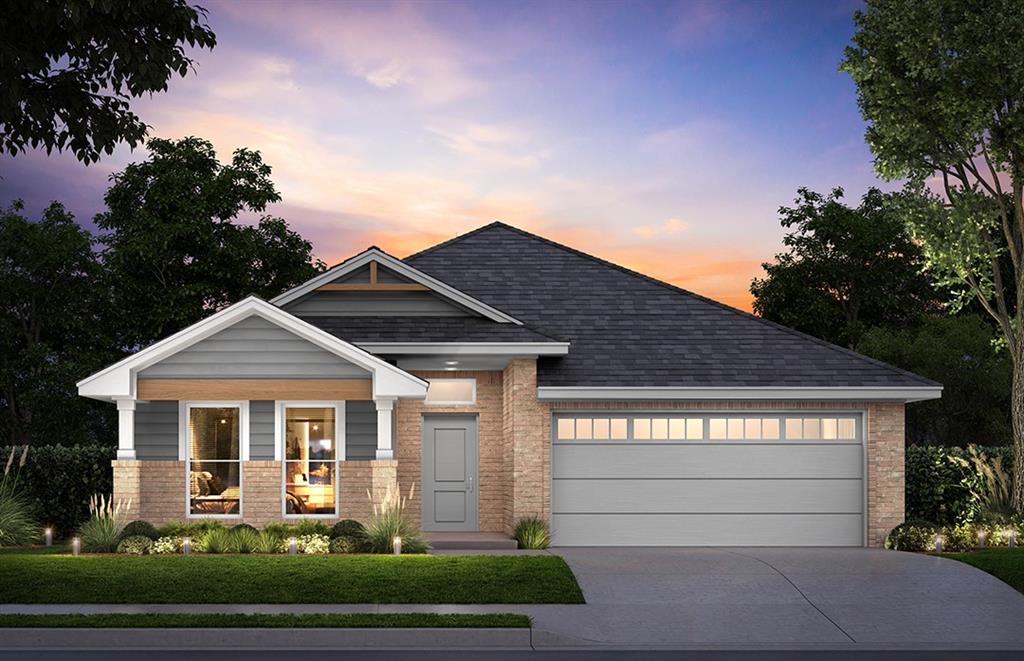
[{"x": 373, "y": 285}]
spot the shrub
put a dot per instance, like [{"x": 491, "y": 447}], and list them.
[
  {"x": 991, "y": 485},
  {"x": 912, "y": 535},
  {"x": 194, "y": 529},
  {"x": 942, "y": 486},
  {"x": 58, "y": 480},
  {"x": 348, "y": 528},
  {"x": 137, "y": 528},
  {"x": 243, "y": 539},
  {"x": 311, "y": 544},
  {"x": 166, "y": 546},
  {"x": 346, "y": 545},
  {"x": 532, "y": 533},
  {"x": 18, "y": 525},
  {"x": 389, "y": 521},
  {"x": 135, "y": 545},
  {"x": 268, "y": 542},
  {"x": 214, "y": 540},
  {"x": 958, "y": 538},
  {"x": 102, "y": 532},
  {"x": 244, "y": 526},
  {"x": 311, "y": 527},
  {"x": 279, "y": 529}
]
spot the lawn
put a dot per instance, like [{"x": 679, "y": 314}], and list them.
[
  {"x": 1005, "y": 564},
  {"x": 41, "y": 578},
  {"x": 239, "y": 621}
]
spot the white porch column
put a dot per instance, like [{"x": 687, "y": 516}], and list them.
[
  {"x": 126, "y": 429},
  {"x": 385, "y": 406}
]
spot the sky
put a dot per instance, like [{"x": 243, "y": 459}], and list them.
[{"x": 663, "y": 136}]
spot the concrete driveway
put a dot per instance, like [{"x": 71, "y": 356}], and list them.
[{"x": 775, "y": 596}]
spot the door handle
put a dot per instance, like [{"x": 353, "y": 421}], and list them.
[{"x": 470, "y": 485}]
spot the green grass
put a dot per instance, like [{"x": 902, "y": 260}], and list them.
[
  {"x": 1005, "y": 564},
  {"x": 280, "y": 579},
  {"x": 235, "y": 621}
]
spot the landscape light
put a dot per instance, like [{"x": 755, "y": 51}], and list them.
[
  {"x": 938, "y": 543},
  {"x": 1011, "y": 538},
  {"x": 982, "y": 539},
  {"x": 76, "y": 546},
  {"x": 293, "y": 546},
  {"x": 186, "y": 545},
  {"x": 48, "y": 536},
  {"x": 397, "y": 545}
]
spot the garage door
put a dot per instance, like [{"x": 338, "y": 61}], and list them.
[{"x": 660, "y": 479}]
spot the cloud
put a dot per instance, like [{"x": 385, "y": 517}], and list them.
[
  {"x": 669, "y": 227},
  {"x": 492, "y": 144}
]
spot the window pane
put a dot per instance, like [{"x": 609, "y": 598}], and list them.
[
  {"x": 718, "y": 428},
  {"x": 584, "y": 428},
  {"x": 847, "y": 428},
  {"x": 829, "y": 429},
  {"x": 812, "y": 428},
  {"x": 694, "y": 429},
  {"x": 566, "y": 428},
  {"x": 620, "y": 429},
  {"x": 677, "y": 429},
  {"x": 770, "y": 428},
  {"x": 213, "y": 487},
  {"x": 213, "y": 433},
  {"x": 601, "y": 428},
  {"x": 659, "y": 428},
  {"x": 451, "y": 391},
  {"x": 310, "y": 433},
  {"x": 752, "y": 428},
  {"x": 309, "y": 487},
  {"x": 735, "y": 428},
  {"x": 794, "y": 428},
  {"x": 642, "y": 428}
]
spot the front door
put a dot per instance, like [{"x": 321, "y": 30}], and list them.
[{"x": 450, "y": 465}]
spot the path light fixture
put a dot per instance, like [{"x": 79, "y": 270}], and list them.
[
  {"x": 1011, "y": 538},
  {"x": 396, "y": 544},
  {"x": 186, "y": 545},
  {"x": 939, "y": 539},
  {"x": 293, "y": 546},
  {"x": 982, "y": 539},
  {"x": 76, "y": 546},
  {"x": 48, "y": 536}
]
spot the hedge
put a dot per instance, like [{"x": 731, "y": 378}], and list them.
[
  {"x": 59, "y": 479},
  {"x": 938, "y": 489}
]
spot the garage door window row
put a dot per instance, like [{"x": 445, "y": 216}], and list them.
[{"x": 708, "y": 427}]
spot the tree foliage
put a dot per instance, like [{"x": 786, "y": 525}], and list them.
[
  {"x": 174, "y": 249},
  {"x": 70, "y": 67},
  {"x": 846, "y": 269}
]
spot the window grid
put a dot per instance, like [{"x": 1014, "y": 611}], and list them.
[{"x": 714, "y": 427}]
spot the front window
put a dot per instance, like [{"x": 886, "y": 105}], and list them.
[
  {"x": 311, "y": 454},
  {"x": 214, "y": 442}
]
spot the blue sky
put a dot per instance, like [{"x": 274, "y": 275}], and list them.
[{"x": 661, "y": 135}]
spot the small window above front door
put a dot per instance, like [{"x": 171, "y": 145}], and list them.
[{"x": 451, "y": 391}]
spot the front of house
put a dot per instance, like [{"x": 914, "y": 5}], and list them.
[{"x": 501, "y": 375}]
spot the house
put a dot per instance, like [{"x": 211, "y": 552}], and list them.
[{"x": 506, "y": 375}]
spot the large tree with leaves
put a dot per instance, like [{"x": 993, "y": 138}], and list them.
[
  {"x": 941, "y": 84},
  {"x": 176, "y": 249},
  {"x": 70, "y": 68},
  {"x": 845, "y": 269}
]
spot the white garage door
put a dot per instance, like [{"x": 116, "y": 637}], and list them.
[{"x": 707, "y": 479}]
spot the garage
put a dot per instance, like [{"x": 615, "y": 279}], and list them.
[{"x": 708, "y": 479}]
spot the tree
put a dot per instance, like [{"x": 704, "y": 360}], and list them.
[
  {"x": 174, "y": 253},
  {"x": 941, "y": 84},
  {"x": 846, "y": 269},
  {"x": 958, "y": 352},
  {"x": 52, "y": 304},
  {"x": 70, "y": 67}
]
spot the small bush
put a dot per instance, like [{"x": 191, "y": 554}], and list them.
[
  {"x": 532, "y": 533},
  {"x": 135, "y": 545},
  {"x": 137, "y": 528},
  {"x": 166, "y": 546},
  {"x": 346, "y": 545},
  {"x": 243, "y": 540},
  {"x": 194, "y": 529},
  {"x": 102, "y": 532},
  {"x": 912, "y": 535},
  {"x": 347, "y": 528},
  {"x": 389, "y": 521},
  {"x": 307, "y": 544},
  {"x": 311, "y": 527},
  {"x": 214, "y": 540},
  {"x": 279, "y": 529},
  {"x": 268, "y": 542},
  {"x": 18, "y": 526},
  {"x": 244, "y": 526},
  {"x": 959, "y": 538}
]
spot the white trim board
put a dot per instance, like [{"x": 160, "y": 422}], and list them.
[
  {"x": 468, "y": 348},
  {"x": 403, "y": 269},
  {"x": 119, "y": 379},
  {"x": 610, "y": 393}
]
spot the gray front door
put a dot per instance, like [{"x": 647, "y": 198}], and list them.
[{"x": 450, "y": 459}]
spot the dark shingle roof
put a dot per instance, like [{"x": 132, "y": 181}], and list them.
[
  {"x": 627, "y": 329},
  {"x": 425, "y": 329}
]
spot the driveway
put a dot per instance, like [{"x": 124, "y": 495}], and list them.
[{"x": 765, "y": 596}]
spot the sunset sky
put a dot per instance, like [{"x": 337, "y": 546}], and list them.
[{"x": 663, "y": 136}]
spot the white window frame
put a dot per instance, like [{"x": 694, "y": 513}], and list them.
[
  {"x": 280, "y": 420},
  {"x": 184, "y": 453},
  {"x": 469, "y": 402}
]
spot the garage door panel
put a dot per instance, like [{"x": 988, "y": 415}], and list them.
[
  {"x": 706, "y": 530},
  {"x": 706, "y": 460},
  {"x": 707, "y": 496}
]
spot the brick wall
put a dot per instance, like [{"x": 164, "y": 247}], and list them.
[
  {"x": 492, "y": 482},
  {"x": 527, "y": 453}
]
